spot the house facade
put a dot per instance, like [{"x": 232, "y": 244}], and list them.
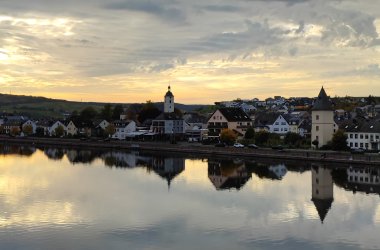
[
  {"x": 123, "y": 128},
  {"x": 228, "y": 118},
  {"x": 280, "y": 126},
  {"x": 365, "y": 135}
]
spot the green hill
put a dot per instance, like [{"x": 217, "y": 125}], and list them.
[{"x": 42, "y": 107}]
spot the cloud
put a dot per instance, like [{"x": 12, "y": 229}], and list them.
[{"x": 162, "y": 9}]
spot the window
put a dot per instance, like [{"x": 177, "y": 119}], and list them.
[
  {"x": 317, "y": 117},
  {"x": 356, "y": 144},
  {"x": 356, "y": 136},
  {"x": 283, "y": 123},
  {"x": 275, "y": 129},
  {"x": 317, "y": 128},
  {"x": 276, "y": 123},
  {"x": 361, "y": 145},
  {"x": 351, "y": 144},
  {"x": 361, "y": 136},
  {"x": 351, "y": 136},
  {"x": 366, "y": 136},
  {"x": 366, "y": 145}
]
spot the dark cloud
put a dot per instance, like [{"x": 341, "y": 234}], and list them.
[
  {"x": 220, "y": 8},
  {"x": 163, "y": 9}
]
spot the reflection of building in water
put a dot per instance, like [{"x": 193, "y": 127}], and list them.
[
  {"x": 322, "y": 190},
  {"x": 273, "y": 172},
  {"x": 363, "y": 179},
  {"x": 279, "y": 171},
  {"x": 81, "y": 156},
  {"x": 19, "y": 150},
  {"x": 54, "y": 153},
  {"x": 228, "y": 174},
  {"x": 168, "y": 167},
  {"x": 120, "y": 159}
]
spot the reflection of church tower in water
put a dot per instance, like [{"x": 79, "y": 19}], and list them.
[
  {"x": 322, "y": 190},
  {"x": 168, "y": 168}
]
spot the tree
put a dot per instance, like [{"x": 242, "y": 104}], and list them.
[
  {"x": 15, "y": 131},
  {"x": 59, "y": 131},
  {"x": 87, "y": 114},
  {"x": 40, "y": 132},
  {"x": 178, "y": 112},
  {"x": 228, "y": 136},
  {"x": 292, "y": 139},
  {"x": 109, "y": 130},
  {"x": 27, "y": 129},
  {"x": 339, "y": 141},
  {"x": 117, "y": 111},
  {"x": 148, "y": 111},
  {"x": 315, "y": 143},
  {"x": 106, "y": 112},
  {"x": 261, "y": 137},
  {"x": 250, "y": 133}
]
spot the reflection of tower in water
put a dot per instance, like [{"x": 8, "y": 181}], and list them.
[
  {"x": 168, "y": 168},
  {"x": 322, "y": 190}
]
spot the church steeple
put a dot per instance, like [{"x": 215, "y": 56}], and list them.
[
  {"x": 323, "y": 102},
  {"x": 169, "y": 101}
]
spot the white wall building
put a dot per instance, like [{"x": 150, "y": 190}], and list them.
[
  {"x": 366, "y": 135},
  {"x": 323, "y": 124}
]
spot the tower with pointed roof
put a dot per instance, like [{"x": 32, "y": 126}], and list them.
[
  {"x": 169, "y": 101},
  {"x": 322, "y": 190},
  {"x": 323, "y": 124}
]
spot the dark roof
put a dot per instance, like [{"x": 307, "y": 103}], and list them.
[
  {"x": 264, "y": 119},
  {"x": 168, "y": 117},
  {"x": 323, "y": 206},
  {"x": 322, "y": 102},
  {"x": 169, "y": 93},
  {"x": 234, "y": 114},
  {"x": 371, "y": 126}
]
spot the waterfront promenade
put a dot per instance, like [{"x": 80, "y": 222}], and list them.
[{"x": 210, "y": 150}]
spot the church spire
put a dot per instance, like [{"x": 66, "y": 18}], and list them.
[{"x": 322, "y": 103}]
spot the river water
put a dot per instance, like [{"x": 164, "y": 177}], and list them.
[{"x": 92, "y": 199}]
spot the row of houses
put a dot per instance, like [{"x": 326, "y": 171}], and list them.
[{"x": 237, "y": 120}]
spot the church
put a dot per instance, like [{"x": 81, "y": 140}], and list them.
[{"x": 168, "y": 122}]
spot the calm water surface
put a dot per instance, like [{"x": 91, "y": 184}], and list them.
[{"x": 83, "y": 199}]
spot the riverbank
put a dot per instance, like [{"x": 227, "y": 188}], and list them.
[{"x": 209, "y": 150}]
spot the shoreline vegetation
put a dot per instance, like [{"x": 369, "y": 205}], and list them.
[{"x": 199, "y": 149}]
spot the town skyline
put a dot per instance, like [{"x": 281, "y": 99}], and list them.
[{"x": 129, "y": 51}]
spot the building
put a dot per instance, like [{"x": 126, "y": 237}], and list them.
[
  {"x": 168, "y": 122},
  {"x": 323, "y": 124},
  {"x": 228, "y": 118},
  {"x": 322, "y": 190},
  {"x": 228, "y": 174},
  {"x": 123, "y": 128},
  {"x": 364, "y": 135},
  {"x": 280, "y": 125}
]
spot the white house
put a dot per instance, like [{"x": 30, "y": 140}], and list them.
[
  {"x": 123, "y": 128},
  {"x": 365, "y": 135},
  {"x": 280, "y": 125},
  {"x": 71, "y": 129},
  {"x": 228, "y": 118},
  {"x": 30, "y": 123},
  {"x": 54, "y": 126}
]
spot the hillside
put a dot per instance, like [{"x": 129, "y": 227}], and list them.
[{"x": 42, "y": 107}]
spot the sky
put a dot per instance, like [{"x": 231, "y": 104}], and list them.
[{"x": 210, "y": 50}]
